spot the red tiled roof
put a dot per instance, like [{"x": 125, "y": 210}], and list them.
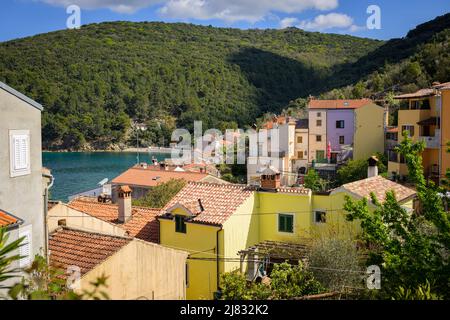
[
  {"x": 442, "y": 86},
  {"x": 418, "y": 94},
  {"x": 7, "y": 220},
  {"x": 150, "y": 177},
  {"x": 143, "y": 223},
  {"x": 338, "y": 104},
  {"x": 219, "y": 201},
  {"x": 86, "y": 250},
  {"x": 379, "y": 186}
]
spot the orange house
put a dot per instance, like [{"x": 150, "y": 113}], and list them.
[{"x": 425, "y": 115}]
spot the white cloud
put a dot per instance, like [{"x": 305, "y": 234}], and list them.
[
  {"x": 327, "y": 21},
  {"x": 120, "y": 6},
  {"x": 323, "y": 22},
  {"x": 239, "y": 10},
  {"x": 288, "y": 22},
  {"x": 330, "y": 21}
]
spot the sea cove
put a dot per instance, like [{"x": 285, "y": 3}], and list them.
[{"x": 76, "y": 172}]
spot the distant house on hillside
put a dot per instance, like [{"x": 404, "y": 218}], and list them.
[
  {"x": 141, "y": 178},
  {"x": 23, "y": 183}
]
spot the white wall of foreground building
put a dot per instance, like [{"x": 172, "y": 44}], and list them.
[{"x": 22, "y": 194}]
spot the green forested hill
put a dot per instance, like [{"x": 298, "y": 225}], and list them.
[{"x": 93, "y": 80}]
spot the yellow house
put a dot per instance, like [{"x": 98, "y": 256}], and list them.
[
  {"x": 425, "y": 115},
  {"x": 214, "y": 223}
]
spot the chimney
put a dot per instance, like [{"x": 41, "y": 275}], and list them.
[
  {"x": 270, "y": 178},
  {"x": 372, "y": 169},
  {"x": 124, "y": 195}
]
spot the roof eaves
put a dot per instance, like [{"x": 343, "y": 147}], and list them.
[{"x": 21, "y": 96}]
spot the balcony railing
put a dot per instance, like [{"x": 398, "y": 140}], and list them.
[{"x": 432, "y": 142}]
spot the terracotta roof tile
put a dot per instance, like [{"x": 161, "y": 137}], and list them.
[
  {"x": 379, "y": 186},
  {"x": 8, "y": 220},
  {"x": 219, "y": 201},
  {"x": 418, "y": 94},
  {"x": 151, "y": 177},
  {"x": 442, "y": 86},
  {"x": 86, "y": 250},
  {"x": 338, "y": 104},
  {"x": 143, "y": 223}
]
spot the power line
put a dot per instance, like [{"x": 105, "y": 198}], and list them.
[{"x": 235, "y": 214}]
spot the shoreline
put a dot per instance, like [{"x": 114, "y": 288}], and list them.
[{"x": 161, "y": 150}]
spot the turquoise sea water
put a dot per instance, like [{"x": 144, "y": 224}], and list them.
[{"x": 76, "y": 172}]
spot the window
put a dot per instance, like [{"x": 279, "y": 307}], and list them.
[
  {"x": 318, "y": 138},
  {"x": 340, "y": 124},
  {"x": 300, "y": 154},
  {"x": 286, "y": 223},
  {"x": 408, "y": 128},
  {"x": 320, "y": 155},
  {"x": 299, "y": 139},
  {"x": 26, "y": 250},
  {"x": 180, "y": 224},
  {"x": 319, "y": 123},
  {"x": 19, "y": 146},
  {"x": 319, "y": 114},
  {"x": 320, "y": 216},
  {"x": 341, "y": 139}
]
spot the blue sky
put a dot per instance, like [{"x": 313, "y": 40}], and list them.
[{"x": 22, "y": 18}]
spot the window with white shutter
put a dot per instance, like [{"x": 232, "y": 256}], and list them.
[
  {"x": 19, "y": 152},
  {"x": 26, "y": 250}
]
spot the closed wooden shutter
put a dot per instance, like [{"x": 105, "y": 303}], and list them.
[
  {"x": 26, "y": 250},
  {"x": 20, "y": 152}
]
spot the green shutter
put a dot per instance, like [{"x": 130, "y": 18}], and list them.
[
  {"x": 285, "y": 223},
  {"x": 180, "y": 224}
]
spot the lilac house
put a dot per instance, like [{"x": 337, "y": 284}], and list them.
[
  {"x": 353, "y": 128},
  {"x": 340, "y": 128}
]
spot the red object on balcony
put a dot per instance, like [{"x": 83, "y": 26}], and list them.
[{"x": 329, "y": 151}]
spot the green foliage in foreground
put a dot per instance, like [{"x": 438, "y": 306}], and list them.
[
  {"x": 8, "y": 256},
  {"x": 412, "y": 249},
  {"x": 161, "y": 194},
  {"x": 286, "y": 282}
]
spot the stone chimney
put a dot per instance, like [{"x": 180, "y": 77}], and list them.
[
  {"x": 270, "y": 178},
  {"x": 124, "y": 201},
  {"x": 372, "y": 169}
]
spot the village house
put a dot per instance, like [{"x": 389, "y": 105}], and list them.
[
  {"x": 23, "y": 182},
  {"x": 119, "y": 241},
  {"x": 219, "y": 224},
  {"x": 135, "y": 269},
  {"x": 425, "y": 115},
  {"x": 351, "y": 129},
  {"x": 143, "y": 177},
  {"x": 121, "y": 218},
  {"x": 276, "y": 149}
]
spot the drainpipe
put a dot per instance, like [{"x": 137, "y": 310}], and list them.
[
  {"x": 217, "y": 258},
  {"x": 46, "y": 196}
]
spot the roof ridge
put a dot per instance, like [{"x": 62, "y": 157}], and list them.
[
  {"x": 61, "y": 228},
  {"x": 227, "y": 185}
]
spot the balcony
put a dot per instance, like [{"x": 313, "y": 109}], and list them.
[{"x": 432, "y": 142}]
